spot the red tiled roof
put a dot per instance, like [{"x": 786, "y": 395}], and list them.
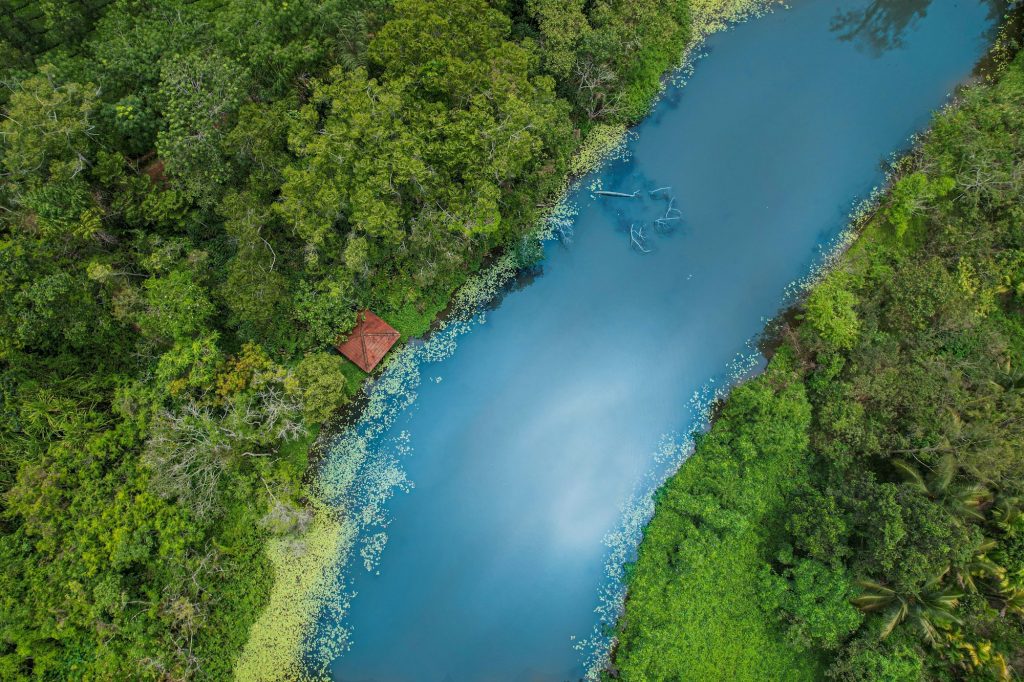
[{"x": 369, "y": 342}]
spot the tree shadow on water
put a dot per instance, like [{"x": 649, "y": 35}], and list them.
[{"x": 884, "y": 24}]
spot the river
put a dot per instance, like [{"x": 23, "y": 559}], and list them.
[{"x": 525, "y": 459}]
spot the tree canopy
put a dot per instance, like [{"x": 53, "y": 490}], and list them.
[{"x": 197, "y": 198}]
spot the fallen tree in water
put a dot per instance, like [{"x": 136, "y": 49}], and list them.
[{"x": 624, "y": 195}]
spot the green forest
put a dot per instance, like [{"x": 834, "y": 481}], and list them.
[
  {"x": 196, "y": 199},
  {"x": 856, "y": 513}
]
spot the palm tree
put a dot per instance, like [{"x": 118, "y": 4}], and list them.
[
  {"x": 1004, "y": 590},
  {"x": 1007, "y": 515},
  {"x": 962, "y": 501},
  {"x": 1010, "y": 596},
  {"x": 930, "y": 608},
  {"x": 979, "y": 656},
  {"x": 980, "y": 566}
]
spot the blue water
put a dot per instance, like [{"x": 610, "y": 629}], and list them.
[{"x": 547, "y": 418}]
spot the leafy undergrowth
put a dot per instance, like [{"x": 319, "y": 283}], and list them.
[{"x": 696, "y": 600}]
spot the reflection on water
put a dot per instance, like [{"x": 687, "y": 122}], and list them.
[{"x": 883, "y": 24}]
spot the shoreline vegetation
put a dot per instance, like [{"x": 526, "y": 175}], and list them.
[
  {"x": 853, "y": 512},
  {"x": 189, "y": 220}
]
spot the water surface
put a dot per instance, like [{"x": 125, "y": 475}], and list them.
[{"x": 527, "y": 443}]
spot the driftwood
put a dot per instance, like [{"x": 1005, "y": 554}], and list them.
[
  {"x": 671, "y": 209},
  {"x": 624, "y": 195},
  {"x": 638, "y": 239},
  {"x": 564, "y": 234},
  {"x": 662, "y": 224},
  {"x": 655, "y": 191}
]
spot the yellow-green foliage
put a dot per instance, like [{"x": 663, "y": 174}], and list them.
[
  {"x": 711, "y": 16},
  {"x": 305, "y": 577},
  {"x": 830, "y": 310},
  {"x": 600, "y": 142}
]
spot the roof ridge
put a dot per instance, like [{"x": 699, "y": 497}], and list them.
[{"x": 369, "y": 341}]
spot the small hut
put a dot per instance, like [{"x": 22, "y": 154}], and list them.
[{"x": 369, "y": 342}]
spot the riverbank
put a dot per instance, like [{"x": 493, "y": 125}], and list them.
[
  {"x": 284, "y": 627},
  {"x": 799, "y": 518}
]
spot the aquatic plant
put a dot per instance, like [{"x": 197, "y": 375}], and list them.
[
  {"x": 598, "y": 147},
  {"x": 304, "y": 575}
]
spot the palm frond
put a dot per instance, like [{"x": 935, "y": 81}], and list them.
[
  {"x": 986, "y": 545},
  {"x": 942, "y": 475},
  {"x": 972, "y": 495},
  {"x": 892, "y": 618},
  {"x": 1001, "y": 668},
  {"x": 874, "y": 586},
  {"x": 982, "y": 566},
  {"x": 966, "y": 579},
  {"x": 935, "y": 581},
  {"x": 1013, "y": 600},
  {"x": 956, "y": 424},
  {"x": 943, "y": 603},
  {"x": 1007, "y": 512},
  {"x": 910, "y": 474},
  {"x": 872, "y": 602},
  {"x": 928, "y": 630}
]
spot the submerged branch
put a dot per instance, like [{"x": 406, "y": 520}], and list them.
[
  {"x": 624, "y": 195},
  {"x": 638, "y": 239}
]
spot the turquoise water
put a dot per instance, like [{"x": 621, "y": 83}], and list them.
[{"x": 530, "y": 451}]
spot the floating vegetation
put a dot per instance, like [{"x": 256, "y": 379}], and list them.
[
  {"x": 305, "y": 571},
  {"x": 602, "y": 144}
]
